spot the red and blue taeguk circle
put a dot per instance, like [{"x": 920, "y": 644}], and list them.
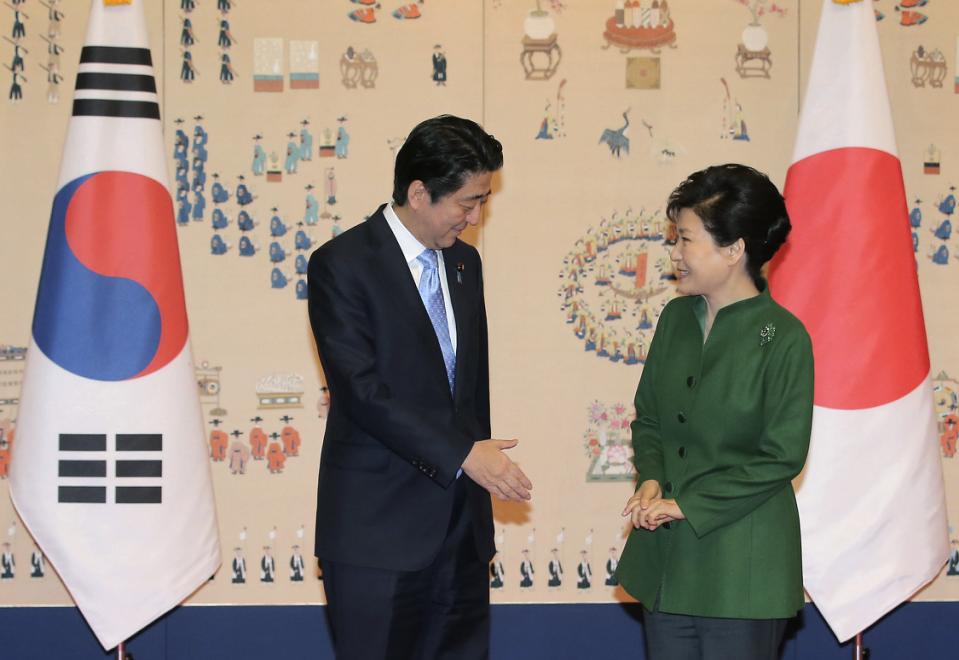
[{"x": 110, "y": 304}]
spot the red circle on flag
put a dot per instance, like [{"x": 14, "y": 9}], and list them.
[{"x": 848, "y": 272}]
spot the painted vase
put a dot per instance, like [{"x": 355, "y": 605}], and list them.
[
  {"x": 539, "y": 25},
  {"x": 755, "y": 37}
]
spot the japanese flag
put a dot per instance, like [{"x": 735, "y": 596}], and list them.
[{"x": 871, "y": 499}]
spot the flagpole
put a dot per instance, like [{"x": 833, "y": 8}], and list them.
[
  {"x": 120, "y": 651},
  {"x": 859, "y": 651}
]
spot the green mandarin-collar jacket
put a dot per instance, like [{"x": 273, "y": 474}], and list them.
[{"x": 723, "y": 426}]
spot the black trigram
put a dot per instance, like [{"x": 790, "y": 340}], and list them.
[
  {"x": 93, "y": 470},
  {"x": 107, "y": 88}
]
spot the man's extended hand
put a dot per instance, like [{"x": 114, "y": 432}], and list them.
[{"x": 487, "y": 465}]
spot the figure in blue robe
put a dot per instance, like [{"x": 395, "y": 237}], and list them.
[
  {"x": 181, "y": 146},
  {"x": 199, "y": 174},
  {"x": 186, "y": 33},
  {"x": 219, "y": 193},
  {"x": 277, "y": 279},
  {"x": 244, "y": 221},
  {"x": 219, "y": 219},
  {"x": 243, "y": 195},
  {"x": 199, "y": 204},
  {"x": 246, "y": 247},
  {"x": 302, "y": 292},
  {"x": 225, "y": 39},
  {"x": 259, "y": 159},
  {"x": 544, "y": 133},
  {"x": 915, "y": 217},
  {"x": 182, "y": 180},
  {"x": 217, "y": 245},
  {"x": 292, "y": 157},
  {"x": 342, "y": 148},
  {"x": 948, "y": 205},
  {"x": 644, "y": 322},
  {"x": 226, "y": 69},
  {"x": 439, "y": 66},
  {"x": 301, "y": 264},
  {"x": 184, "y": 207},
  {"x": 277, "y": 253},
  {"x": 941, "y": 256},
  {"x": 277, "y": 228},
  {"x": 303, "y": 241},
  {"x": 187, "y": 72},
  {"x": 944, "y": 230},
  {"x": 306, "y": 144},
  {"x": 312, "y": 215},
  {"x": 200, "y": 138}
]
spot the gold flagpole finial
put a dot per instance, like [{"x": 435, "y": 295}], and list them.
[{"x": 110, "y": 3}]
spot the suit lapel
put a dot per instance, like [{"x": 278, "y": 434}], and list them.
[
  {"x": 398, "y": 284},
  {"x": 460, "y": 298},
  {"x": 388, "y": 260}
]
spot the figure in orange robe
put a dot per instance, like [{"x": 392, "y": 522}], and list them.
[
  {"x": 276, "y": 458},
  {"x": 218, "y": 443},
  {"x": 949, "y": 435},
  {"x": 291, "y": 441},
  {"x": 6, "y": 447},
  {"x": 4, "y": 460},
  {"x": 257, "y": 443}
]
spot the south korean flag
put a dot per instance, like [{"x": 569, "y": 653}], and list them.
[{"x": 110, "y": 472}]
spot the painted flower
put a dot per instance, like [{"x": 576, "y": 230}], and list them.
[
  {"x": 597, "y": 412},
  {"x": 617, "y": 454}
]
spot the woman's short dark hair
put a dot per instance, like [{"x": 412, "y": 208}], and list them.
[
  {"x": 443, "y": 152},
  {"x": 736, "y": 201}
]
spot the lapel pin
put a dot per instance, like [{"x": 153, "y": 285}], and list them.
[{"x": 459, "y": 272}]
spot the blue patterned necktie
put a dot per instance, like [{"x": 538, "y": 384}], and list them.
[{"x": 432, "y": 295}]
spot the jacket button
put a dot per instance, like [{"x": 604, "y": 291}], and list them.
[
  {"x": 690, "y": 382},
  {"x": 665, "y": 525},
  {"x": 668, "y": 487},
  {"x": 681, "y": 417},
  {"x": 682, "y": 452}
]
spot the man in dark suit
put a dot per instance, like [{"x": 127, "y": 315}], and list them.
[{"x": 404, "y": 528}]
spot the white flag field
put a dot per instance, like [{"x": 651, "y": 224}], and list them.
[
  {"x": 110, "y": 472},
  {"x": 871, "y": 498}
]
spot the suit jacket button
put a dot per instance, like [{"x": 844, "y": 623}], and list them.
[
  {"x": 668, "y": 487},
  {"x": 665, "y": 525},
  {"x": 691, "y": 382},
  {"x": 682, "y": 452},
  {"x": 681, "y": 417}
]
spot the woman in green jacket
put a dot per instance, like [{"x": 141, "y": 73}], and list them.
[{"x": 723, "y": 417}]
